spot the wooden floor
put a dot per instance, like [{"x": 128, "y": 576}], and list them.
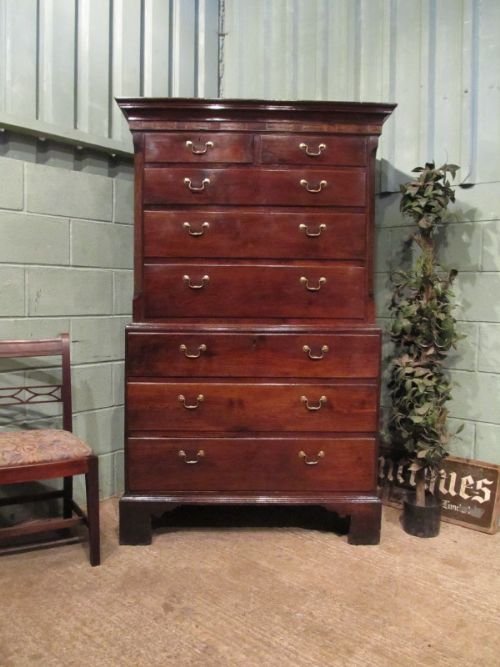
[{"x": 255, "y": 589}]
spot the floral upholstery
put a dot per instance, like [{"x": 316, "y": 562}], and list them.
[{"x": 40, "y": 446}]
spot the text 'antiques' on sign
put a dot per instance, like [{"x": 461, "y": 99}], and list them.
[{"x": 469, "y": 490}]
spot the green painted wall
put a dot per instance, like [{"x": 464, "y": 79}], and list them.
[
  {"x": 471, "y": 244},
  {"x": 66, "y": 265}
]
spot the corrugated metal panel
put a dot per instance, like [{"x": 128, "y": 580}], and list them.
[
  {"x": 93, "y": 63},
  {"x": 157, "y": 48},
  {"x": 62, "y": 62},
  {"x": 56, "y": 62},
  {"x": 438, "y": 59},
  {"x": 18, "y": 34},
  {"x": 126, "y": 31}
]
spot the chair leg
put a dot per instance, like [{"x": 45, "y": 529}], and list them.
[
  {"x": 92, "y": 488},
  {"x": 68, "y": 498}
]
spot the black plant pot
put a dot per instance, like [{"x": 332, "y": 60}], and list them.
[{"x": 422, "y": 521}]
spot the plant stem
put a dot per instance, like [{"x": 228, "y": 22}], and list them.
[{"x": 420, "y": 487}]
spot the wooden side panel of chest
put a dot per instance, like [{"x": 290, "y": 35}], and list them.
[{"x": 252, "y": 364}]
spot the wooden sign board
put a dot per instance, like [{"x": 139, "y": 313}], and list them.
[{"x": 469, "y": 490}]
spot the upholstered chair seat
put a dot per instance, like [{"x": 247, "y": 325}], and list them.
[{"x": 40, "y": 446}]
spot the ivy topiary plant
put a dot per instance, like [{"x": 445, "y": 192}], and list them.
[{"x": 423, "y": 330}]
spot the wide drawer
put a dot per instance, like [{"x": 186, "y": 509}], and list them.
[
  {"x": 207, "y": 354},
  {"x": 198, "y": 147},
  {"x": 313, "y": 149},
  {"x": 246, "y": 290},
  {"x": 240, "y": 407},
  {"x": 162, "y": 465},
  {"x": 247, "y": 234},
  {"x": 292, "y": 187}
]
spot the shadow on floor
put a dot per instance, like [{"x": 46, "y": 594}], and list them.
[{"x": 243, "y": 516}]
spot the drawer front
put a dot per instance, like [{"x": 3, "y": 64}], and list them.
[
  {"x": 202, "y": 354},
  {"x": 198, "y": 147},
  {"x": 313, "y": 149},
  {"x": 245, "y": 234},
  {"x": 254, "y": 291},
  {"x": 240, "y": 407},
  {"x": 160, "y": 465},
  {"x": 293, "y": 187}
]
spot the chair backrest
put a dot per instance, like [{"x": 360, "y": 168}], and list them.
[{"x": 45, "y": 347}]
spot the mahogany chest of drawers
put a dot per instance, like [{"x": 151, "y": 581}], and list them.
[{"x": 252, "y": 363}]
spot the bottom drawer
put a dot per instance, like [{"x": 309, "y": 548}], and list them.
[{"x": 162, "y": 465}]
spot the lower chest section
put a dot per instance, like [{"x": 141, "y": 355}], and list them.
[{"x": 251, "y": 410}]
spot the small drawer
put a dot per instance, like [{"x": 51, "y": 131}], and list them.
[
  {"x": 313, "y": 149},
  {"x": 255, "y": 187},
  {"x": 163, "y": 465},
  {"x": 245, "y": 234},
  {"x": 254, "y": 291},
  {"x": 206, "y": 354},
  {"x": 245, "y": 406},
  {"x": 198, "y": 147}
]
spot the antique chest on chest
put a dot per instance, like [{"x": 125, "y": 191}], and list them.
[{"x": 252, "y": 363}]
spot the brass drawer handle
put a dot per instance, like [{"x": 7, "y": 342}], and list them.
[
  {"x": 315, "y": 357},
  {"x": 311, "y": 235},
  {"x": 191, "y": 406},
  {"x": 307, "y": 151},
  {"x": 199, "y": 455},
  {"x": 200, "y": 149},
  {"x": 204, "y": 227},
  {"x": 196, "y": 188},
  {"x": 312, "y": 462},
  {"x": 311, "y": 188},
  {"x": 311, "y": 288},
  {"x": 191, "y": 355},
  {"x": 318, "y": 406},
  {"x": 191, "y": 285}
]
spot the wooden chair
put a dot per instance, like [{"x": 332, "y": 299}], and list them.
[{"x": 40, "y": 454}]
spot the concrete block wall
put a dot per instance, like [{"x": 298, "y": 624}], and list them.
[
  {"x": 66, "y": 251},
  {"x": 471, "y": 244}
]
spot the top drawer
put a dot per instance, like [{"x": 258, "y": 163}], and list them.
[
  {"x": 313, "y": 149},
  {"x": 198, "y": 147}
]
